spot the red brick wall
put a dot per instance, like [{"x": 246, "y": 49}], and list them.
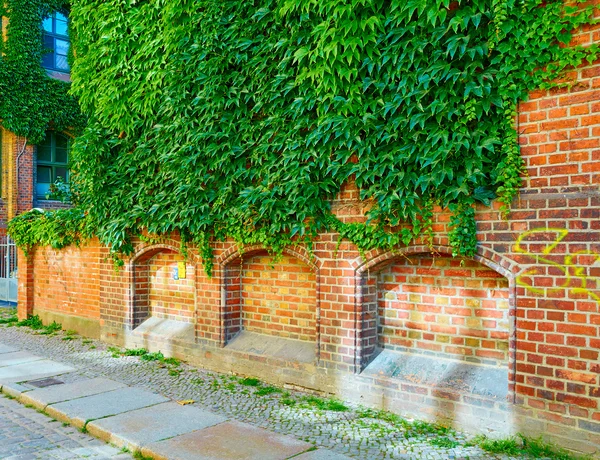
[
  {"x": 169, "y": 298},
  {"x": 67, "y": 281},
  {"x": 279, "y": 297},
  {"x": 437, "y": 304}
]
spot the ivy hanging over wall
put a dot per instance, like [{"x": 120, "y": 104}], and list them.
[
  {"x": 243, "y": 119},
  {"x": 31, "y": 101}
]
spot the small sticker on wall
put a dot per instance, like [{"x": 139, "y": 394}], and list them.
[
  {"x": 181, "y": 269},
  {"x": 175, "y": 273}
]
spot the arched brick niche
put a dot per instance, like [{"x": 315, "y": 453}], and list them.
[
  {"x": 427, "y": 311},
  {"x": 270, "y": 299},
  {"x": 161, "y": 289}
]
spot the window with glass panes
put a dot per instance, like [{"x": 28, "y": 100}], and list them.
[
  {"x": 52, "y": 162},
  {"x": 56, "y": 42}
]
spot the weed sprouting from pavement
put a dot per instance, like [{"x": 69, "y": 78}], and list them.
[
  {"x": 324, "y": 404},
  {"x": 34, "y": 322},
  {"x": 263, "y": 391},
  {"x": 523, "y": 445},
  {"x": 444, "y": 442},
  {"x": 250, "y": 382}
]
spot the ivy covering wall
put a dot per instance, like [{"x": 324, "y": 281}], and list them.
[
  {"x": 244, "y": 118},
  {"x": 31, "y": 101}
]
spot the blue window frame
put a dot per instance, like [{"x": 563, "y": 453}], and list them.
[
  {"x": 56, "y": 42},
  {"x": 52, "y": 162}
]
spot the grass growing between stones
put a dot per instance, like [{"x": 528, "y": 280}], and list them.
[
  {"x": 523, "y": 445},
  {"x": 324, "y": 404},
  {"x": 267, "y": 390},
  {"x": 51, "y": 328},
  {"x": 250, "y": 382},
  {"x": 9, "y": 316},
  {"x": 137, "y": 455}
]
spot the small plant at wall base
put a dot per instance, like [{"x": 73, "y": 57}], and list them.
[{"x": 243, "y": 120}]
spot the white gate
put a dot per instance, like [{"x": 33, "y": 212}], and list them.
[{"x": 8, "y": 270}]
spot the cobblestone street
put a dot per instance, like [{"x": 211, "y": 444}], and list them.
[
  {"x": 26, "y": 434},
  {"x": 353, "y": 431}
]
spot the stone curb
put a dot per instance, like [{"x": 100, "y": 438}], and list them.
[{"x": 119, "y": 440}]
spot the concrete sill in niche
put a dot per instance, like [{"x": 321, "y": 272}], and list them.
[
  {"x": 443, "y": 374},
  {"x": 275, "y": 347},
  {"x": 164, "y": 330}
]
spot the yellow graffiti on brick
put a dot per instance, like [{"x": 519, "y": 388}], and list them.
[{"x": 567, "y": 266}]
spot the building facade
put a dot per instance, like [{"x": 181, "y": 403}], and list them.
[{"x": 28, "y": 170}]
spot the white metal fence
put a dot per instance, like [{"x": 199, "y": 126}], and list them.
[{"x": 8, "y": 270}]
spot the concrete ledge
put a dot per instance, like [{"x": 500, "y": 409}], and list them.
[
  {"x": 443, "y": 374},
  {"x": 85, "y": 326},
  {"x": 276, "y": 347}
]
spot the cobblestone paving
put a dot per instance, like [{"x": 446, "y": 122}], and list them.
[
  {"x": 355, "y": 432},
  {"x": 26, "y": 434}
]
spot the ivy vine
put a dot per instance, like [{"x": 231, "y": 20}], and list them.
[
  {"x": 31, "y": 101},
  {"x": 243, "y": 119}
]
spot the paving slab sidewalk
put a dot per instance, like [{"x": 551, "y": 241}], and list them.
[{"x": 140, "y": 420}]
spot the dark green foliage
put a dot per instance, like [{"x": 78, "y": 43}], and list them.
[
  {"x": 34, "y": 322},
  {"x": 30, "y": 101},
  {"x": 242, "y": 119},
  {"x": 251, "y": 382},
  {"x": 56, "y": 229}
]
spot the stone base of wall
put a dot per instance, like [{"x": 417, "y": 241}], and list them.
[
  {"x": 83, "y": 326},
  {"x": 475, "y": 413}
]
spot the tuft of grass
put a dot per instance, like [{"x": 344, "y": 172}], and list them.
[
  {"x": 197, "y": 381},
  {"x": 33, "y": 321},
  {"x": 288, "y": 401},
  {"x": 263, "y": 391},
  {"x": 51, "y": 328},
  {"x": 444, "y": 442},
  {"x": 136, "y": 352},
  {"x": 115, "y": 352},
  {"x": 523, "y": 445},
  {"x": 137, "y": 455},
  {"x": 171, "y": 361},
  {"x": 156, "y": 356},
  {"x": 174, "y": 372},
  {"x": 251, "y": 382},
  {"x": 325, "y": 404},
  {"x": 10, "y": 320}
]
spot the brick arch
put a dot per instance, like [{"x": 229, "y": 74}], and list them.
[
  {"x": 147, "y": 251},
  {"x": 377, "y": 260},
  {"x": 230, "y": 270},
  {"x": 485, "y": 256},
  {"x": 139, "y": 308},
  {"x": 236, "y": 252}
]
